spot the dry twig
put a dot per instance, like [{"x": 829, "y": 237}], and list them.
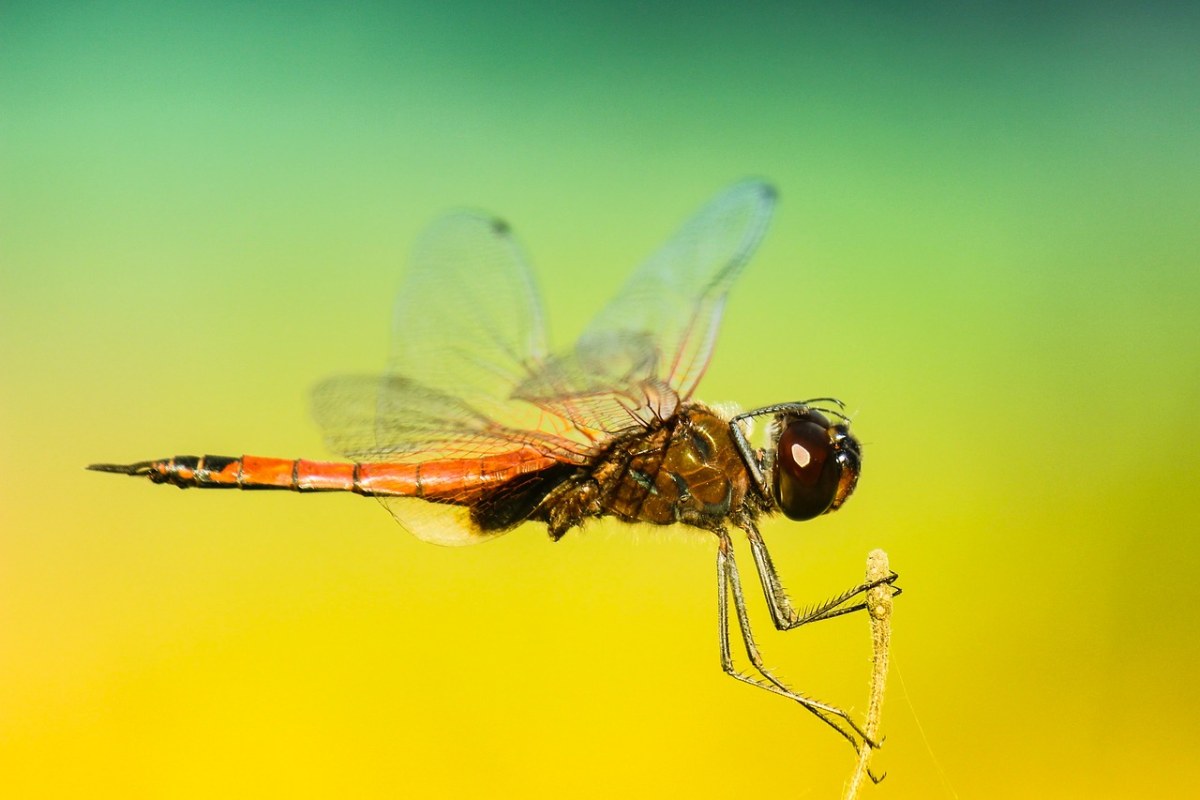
[{"x": 879, "y": 607}]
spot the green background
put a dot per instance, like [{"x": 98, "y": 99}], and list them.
[{"x": 986, "y": 244}]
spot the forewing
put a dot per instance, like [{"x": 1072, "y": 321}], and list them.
[
  {"x": 648, "y": 348},
  {"x": 467, "y": 328},
  {"x": 467, "y": 320}
]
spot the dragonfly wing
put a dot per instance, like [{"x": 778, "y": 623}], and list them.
[
  {"x": 437, "y": 523},
  {"x": 646, "y": 351},
  {"x": 392, "y": 418},
  {"x": 397, "y": 420},
  {"x": 468, "y": 328},
  {"x": 607, "y": 388},
  {"x": 469, "y": 375},
  {"x": 467, "y": 320},
  {"x": 678, "y": 295}
]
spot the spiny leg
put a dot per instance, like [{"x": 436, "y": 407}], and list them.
[
  {"x": 728, "y": 581},
  {"x": 783, "y": 614}
]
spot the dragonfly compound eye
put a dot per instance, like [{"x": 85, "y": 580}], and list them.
[{"x": 808, "y": 471}]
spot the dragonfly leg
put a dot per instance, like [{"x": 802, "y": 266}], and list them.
[
  {"x": 783, "y": 614},
  {"x": 729, "y": 584},
  {"x": 568, "y": 505}
]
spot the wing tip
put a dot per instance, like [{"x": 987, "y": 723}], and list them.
[
  {"x": 751, "y": 192},
  {"x": 766, "y": 190}
]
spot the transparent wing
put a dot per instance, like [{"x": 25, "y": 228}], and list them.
[
  {"x": 394, "y": 419},
  {"x": 469, "y": 376},
  {"x": 467, "y": 328},
  {"x": 467, "y": 320},
  {"x": 645, "y": 352},
  {"x": 678, "y": 295}
]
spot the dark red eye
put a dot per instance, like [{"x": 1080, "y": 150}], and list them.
[{"x": 807, "y": 472}]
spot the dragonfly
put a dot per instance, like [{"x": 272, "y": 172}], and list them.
[{"x": 476, "y": 427}]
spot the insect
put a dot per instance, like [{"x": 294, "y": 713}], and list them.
[{"x": 477, "y": 427}]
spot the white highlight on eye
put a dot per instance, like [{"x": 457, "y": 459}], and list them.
[{"x": 800, "y": 455}]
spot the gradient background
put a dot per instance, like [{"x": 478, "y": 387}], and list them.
[{"x": 987, "y": 244}]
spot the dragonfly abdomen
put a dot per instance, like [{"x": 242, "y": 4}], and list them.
[
  {"x": 449, "y": 480},
  {"x": 247, "y": 472}
]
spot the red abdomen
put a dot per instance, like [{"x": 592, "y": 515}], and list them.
[{"x": 448, "y": 480}]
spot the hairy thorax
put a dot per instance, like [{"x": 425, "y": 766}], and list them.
[{"x": 686, "y": 471}]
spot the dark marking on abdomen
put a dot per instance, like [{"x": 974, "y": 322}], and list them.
[
  {"x": 217, "y": 463},
  {"x": 516, "y": 500}
]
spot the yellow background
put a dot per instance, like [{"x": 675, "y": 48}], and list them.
[{"x": 986, "y": 244}]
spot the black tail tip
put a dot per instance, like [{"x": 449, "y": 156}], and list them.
[{"x": 140, "y": 468}]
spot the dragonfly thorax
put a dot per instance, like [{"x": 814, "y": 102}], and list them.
[{"x": 686, "y": 470}]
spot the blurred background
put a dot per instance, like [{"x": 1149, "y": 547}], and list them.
[{"x": 986, "y": 244}]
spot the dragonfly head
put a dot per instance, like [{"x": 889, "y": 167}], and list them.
[{"x": 816, "y": 463}]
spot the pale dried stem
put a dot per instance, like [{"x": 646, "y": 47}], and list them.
[{"x": 879, "y": 608}]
